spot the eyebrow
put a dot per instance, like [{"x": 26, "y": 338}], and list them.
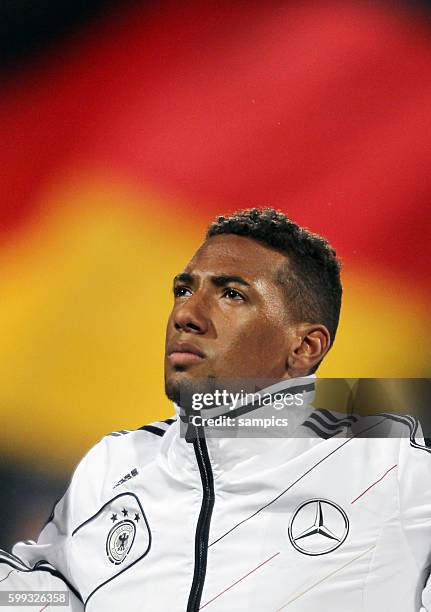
[
  {"x": 218, "y": 281},
  {"x": 184, "y": 277},
  {"x": 221, "y": 281}
]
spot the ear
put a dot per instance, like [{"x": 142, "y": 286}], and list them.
[{"x": 308, "y": 344}]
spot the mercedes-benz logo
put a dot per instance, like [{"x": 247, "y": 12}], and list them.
[{"x": 318, "y": 527}]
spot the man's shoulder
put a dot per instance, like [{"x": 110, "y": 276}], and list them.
[
  {"x": 152, "y": 432},
  {"x": 374, "y": 426},
  {"x": 113, "y": 461},
  {"x": 143, "y": 441},
  {"x": 118, "y": 453}
]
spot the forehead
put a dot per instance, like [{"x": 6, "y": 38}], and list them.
[{"x": 231, "y": 254}]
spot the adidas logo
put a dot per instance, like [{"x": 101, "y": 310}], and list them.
[{"x": 127, "y": 477}]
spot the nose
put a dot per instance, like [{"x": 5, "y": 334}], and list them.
[{"x": 191, "y": 316}]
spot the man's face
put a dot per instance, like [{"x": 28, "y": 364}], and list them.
[{"x": 229, "y": 318}]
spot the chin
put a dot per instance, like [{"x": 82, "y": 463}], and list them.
[
  {"x": 181, "y": 384},
  {"x": 176, "y": 382}
]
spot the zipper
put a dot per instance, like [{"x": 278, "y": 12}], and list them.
[{"x": 203, "y": 524}]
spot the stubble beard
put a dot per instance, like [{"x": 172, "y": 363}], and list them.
[{"x": 181, "y": 391}]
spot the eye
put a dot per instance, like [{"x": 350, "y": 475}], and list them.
[
  {"x": 180, "y": 291},
  {"x": 233, "y": 294}
]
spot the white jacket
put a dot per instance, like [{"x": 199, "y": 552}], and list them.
[{"x": 327, "y": 519}]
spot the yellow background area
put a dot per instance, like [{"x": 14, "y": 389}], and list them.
[{"x": 85, "y": 294}]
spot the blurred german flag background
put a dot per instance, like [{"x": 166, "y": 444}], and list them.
[{"x": 128, "y": 126}]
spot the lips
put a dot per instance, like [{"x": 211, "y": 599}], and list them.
[{"x": 185, "y": 353}]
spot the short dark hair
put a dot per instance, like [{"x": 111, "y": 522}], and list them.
[{"x": 312, "y": 275}]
